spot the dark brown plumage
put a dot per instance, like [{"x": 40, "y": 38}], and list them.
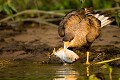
[{"x": 81, "y": 27}]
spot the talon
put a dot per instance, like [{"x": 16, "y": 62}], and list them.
[{"x": 87, "y": 63}]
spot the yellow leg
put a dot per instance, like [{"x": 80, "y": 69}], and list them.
[{"x": 87, "y": 61}]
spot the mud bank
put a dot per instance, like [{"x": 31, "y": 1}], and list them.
[{"x": 35, "y": 43}]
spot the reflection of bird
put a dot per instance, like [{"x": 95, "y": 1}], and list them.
[{"x": 81, "y": 27}]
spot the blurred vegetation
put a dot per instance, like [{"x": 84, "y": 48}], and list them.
[{"x": 10, "y": 7}]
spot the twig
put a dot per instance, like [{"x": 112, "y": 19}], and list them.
[
  {"x": 54, "y": 19},
  {"x": 33, "y": 11},
  {"x": 37, "y": 20},
  {"x": 45, "y": 21},
  {"x": 65, "y": 10},
  {"x": 106, "y": 61},
  {"x": 58, "y": 13}
]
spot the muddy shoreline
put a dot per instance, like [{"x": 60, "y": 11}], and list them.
[{"x": 35, "y": 42}]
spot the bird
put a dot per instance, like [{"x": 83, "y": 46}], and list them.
[{"x": 81, "y": 27}]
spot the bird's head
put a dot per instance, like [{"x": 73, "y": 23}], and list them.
[{"x": 67, "y": 39}]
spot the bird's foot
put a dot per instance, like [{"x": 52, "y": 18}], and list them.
[{"x": 88, "y": 63}]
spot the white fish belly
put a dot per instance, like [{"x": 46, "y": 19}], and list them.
[{"x": 66, "y": 55}]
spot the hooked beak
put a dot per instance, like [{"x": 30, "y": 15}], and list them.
[{"x": 66, "y": 44}]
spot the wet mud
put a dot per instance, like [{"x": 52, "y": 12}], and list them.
[{"x": 34, "y": 42}]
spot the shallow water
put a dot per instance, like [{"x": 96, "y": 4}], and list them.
[{"x": 36, "y": 71}]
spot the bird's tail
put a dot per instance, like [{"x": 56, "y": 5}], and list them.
[
  {"x": 104, "y": 17},
  {"x": 105, "y": 20}
]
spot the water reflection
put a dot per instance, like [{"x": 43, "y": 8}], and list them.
[
  {"x": 30, "y": 71},
  {"x": 87, "y": 71},
  {"x": 66, "y": 72},
  {"x": 99, "y": 75}
]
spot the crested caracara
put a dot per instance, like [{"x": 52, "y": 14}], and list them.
[{"x": 81, "y": 27}]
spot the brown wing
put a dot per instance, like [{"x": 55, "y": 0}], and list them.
[
  {"x": 94, "y": 31},
  {"x": 68, "y": 24}
]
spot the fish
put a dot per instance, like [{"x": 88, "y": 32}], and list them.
[{"x": 66, "y": 55}]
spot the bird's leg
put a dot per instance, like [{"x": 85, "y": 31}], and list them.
[{"x": 87, "y": 61}]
